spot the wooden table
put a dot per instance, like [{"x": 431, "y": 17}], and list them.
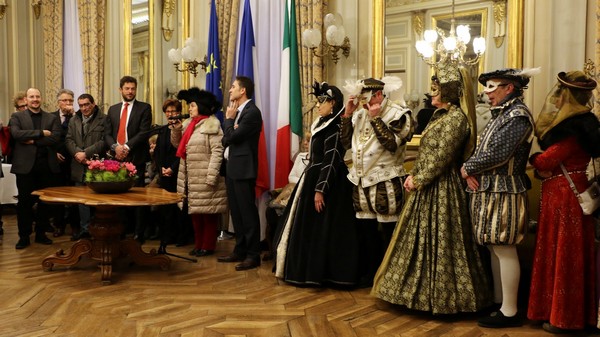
[{"x": 106, "y": 227}]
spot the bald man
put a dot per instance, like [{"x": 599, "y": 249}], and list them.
[{"x": 34, "y": 163}]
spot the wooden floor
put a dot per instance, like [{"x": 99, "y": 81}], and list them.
[{"x": 195, "y": 299}]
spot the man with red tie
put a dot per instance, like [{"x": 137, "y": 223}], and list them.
[{"x": 126, "y": 134}]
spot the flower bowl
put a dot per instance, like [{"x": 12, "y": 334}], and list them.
[{"x": 105, "y": 187}]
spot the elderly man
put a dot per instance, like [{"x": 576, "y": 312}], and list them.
[
  {"x": 376, "y": 131},
  {"x": 64, "y": 213},
  {"x": 498, "y": 184},
  {"x": 35, "y": 165},
  {"x": 85, "y": 138}
]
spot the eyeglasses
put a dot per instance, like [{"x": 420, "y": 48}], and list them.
[
  {"x": 21, "y": 106},
  {"x": 84, "y": 105},
  {"x": 66, "y": 100}
]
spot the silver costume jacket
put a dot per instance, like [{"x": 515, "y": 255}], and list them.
[{"x": 378, "y": 144}]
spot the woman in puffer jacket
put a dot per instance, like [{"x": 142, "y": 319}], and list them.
[{"x": 198, "y": 142}]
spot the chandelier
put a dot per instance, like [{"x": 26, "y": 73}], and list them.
[
  {"x": 436, "y": 47},
  {"x": 335, "y": 38}
]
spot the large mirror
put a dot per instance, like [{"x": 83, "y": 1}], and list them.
[
  {"x": 139, "y": 46},
  {"x": 402, "y": 23}
]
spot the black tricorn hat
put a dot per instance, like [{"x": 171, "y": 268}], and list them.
[
  {"x": 206, "y": 100},
  {"x": 519, "y": 76}
]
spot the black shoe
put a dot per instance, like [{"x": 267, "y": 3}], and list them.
[
  {"x": 84, "y": 235},
  {"x": 203, "y": 252},
  {"x": 556, "y": 330},
  {"x": 497, "y": 320},
  {"x": 230, "y": 258},
  {"x": 248, "y": 264},
  {"x": 140, "y": 239},
  {"x": 193, "y": 252},
  {"x": 22, "y": 243},
  {"x": 43, "y": 240}
]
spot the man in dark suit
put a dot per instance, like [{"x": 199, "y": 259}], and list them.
[
  {"x": 64, "y": 213},
  {"x": 127, "y": 130},
  {"x": 242, "y": 126},
  {"x": 34, "y": 163}
]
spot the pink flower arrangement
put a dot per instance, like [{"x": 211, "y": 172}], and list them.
[{"x": 110, "y": 170}]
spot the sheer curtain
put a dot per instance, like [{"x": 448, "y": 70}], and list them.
[{"x": 73, "y": 71}]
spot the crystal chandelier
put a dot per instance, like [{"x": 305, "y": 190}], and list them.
[{"x": 436, "y": 47}]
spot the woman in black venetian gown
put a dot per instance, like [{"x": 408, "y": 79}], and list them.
[{"x": 318, "y": 241}]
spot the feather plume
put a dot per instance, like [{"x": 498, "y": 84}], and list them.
[
  {"x": 353, "y": 88},
  {"x": 529, "y": 72},
  {"x": 392, "y": 83}
]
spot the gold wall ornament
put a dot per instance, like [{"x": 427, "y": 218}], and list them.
[
  {"x": 3, "y": 6},
  {"x": 167, "y": 18},
  {"x": 418, "y": 19},
  {"x": 37, "y": 7},
  {"x": 499, "y": 8}
]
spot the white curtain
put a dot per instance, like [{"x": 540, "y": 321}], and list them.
[
  {"x": 73, "y": 61},
  {"x": 268, "y": 25}
]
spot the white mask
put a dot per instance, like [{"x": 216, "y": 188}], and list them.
[{"x": 491, "y": 86}]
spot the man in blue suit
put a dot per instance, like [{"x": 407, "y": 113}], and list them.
[{"x": 242, "y": 126}]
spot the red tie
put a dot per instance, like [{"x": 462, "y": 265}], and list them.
[{"x": 122, "y": 125}]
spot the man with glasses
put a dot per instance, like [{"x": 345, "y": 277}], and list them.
[
  {"x": 64, "y": 213},
  {"x": 35, "y": 164},
  {"x": 85, "y": 138},
  {"x": 20, "y": 101},
  {"x": 497, "y": 182}
]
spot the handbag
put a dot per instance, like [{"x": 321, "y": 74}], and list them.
[{"x": 589, "y": 200}]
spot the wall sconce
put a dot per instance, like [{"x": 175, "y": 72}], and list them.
[
  {"x": 172, "y": 89},
  {"x": 188, "y": 54},
  {"x": 412, "y": 100},
  {"x": 335, "y": 36}
]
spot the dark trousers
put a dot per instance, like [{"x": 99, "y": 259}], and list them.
[
  {"x": 244, "y": 214},
  {"x": 39, "y": 177}
]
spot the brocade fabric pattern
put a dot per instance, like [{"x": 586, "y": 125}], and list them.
[
  {"x": 92, "y": 21},
  {"x": 432, "y": 263},
  {"x": 227, "y": 12},
  {"x": 52, "y": 22}
]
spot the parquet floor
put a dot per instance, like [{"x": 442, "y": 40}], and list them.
[{"x": 195, "y": 299}]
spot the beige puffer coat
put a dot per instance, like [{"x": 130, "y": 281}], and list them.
[{"x": 199, "y": 172}]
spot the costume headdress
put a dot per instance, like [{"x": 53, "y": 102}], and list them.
[
  {"x": 323, "y": 91},
  {"x": 207, "y": 102},
  {"x": 455, "y": 87},
  {"x": 520, "y": 77},
  {"x": 387, "y": 84},
  {"x": 571, "y": 96}
]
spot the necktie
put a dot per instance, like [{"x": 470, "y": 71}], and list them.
[
  {"x": 65, "y": 123},
  {"x": 122, "y": 125}
]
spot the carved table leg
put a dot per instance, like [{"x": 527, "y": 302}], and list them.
[
  {"x": 79, "y": 249},
  {"x": 106, "y": 229},
  {"x": 133, "y": 249}
]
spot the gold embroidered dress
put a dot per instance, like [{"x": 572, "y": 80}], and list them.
[{"x": 432, "y": 263}]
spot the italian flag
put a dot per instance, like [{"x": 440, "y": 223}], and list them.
[{"x": 289, "y": 116}]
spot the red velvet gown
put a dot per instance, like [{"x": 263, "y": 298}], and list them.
[{"x": 562, "y": 282}]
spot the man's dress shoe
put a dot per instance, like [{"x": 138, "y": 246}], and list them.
[
  {"x": 248, "y": 264},
  {"x": 230, "y": 258}
]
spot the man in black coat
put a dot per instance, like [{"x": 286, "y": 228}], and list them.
[
  {"x": 242, "y": 126},
  {"x": 64, "y": 214},
  {"x": 127, "y": 130},
  {"x": 34, "y": 163}
]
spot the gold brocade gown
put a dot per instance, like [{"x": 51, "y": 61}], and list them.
[{"x": 432, "y": 263}]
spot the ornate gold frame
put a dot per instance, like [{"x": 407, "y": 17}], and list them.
[{"x": 127, "y": 34}]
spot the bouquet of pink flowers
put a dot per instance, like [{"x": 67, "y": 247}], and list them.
[{"x": 110, "y": 171}]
